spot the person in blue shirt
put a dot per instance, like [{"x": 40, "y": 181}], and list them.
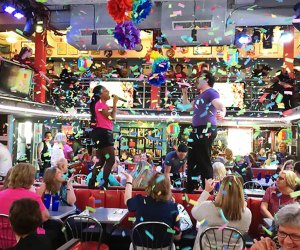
[{"x": 174, "y": 162}]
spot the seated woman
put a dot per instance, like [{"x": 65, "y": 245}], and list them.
[
  {"x": 228, "y": 208},
  {"x": 112, "y": 181},
  {"x": 288, "y": 165},
  {"x": 54, "y": 183},
  {"x": 157, "y": 205},
  {"x": 278, "y": 196},
  {"x": 25, "y": 217},
  {"x": 288, "y": 223},
  {"x": 297, "y": 169},
  {"x": 219, "y": 171},
  {"x": 142, "y": 175},
  {"x": 20, "y": 181}
]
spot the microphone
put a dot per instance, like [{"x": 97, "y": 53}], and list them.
[{"x": 120, "y": 97}]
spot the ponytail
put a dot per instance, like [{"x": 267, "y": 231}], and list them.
[{"x": 96, "y": 97}]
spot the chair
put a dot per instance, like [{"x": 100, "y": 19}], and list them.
[
  {"x": 78, "y": 178},
  {"x": 227, "y": 238},
  {"x": 152, "y": 235},
  {"x": 7, "y": 235},
  {"x": 253, "y": 185},
  {"x": 85, "y": 228}
]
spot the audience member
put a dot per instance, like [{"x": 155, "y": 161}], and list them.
[
  {"x": 157, "y": 205},
  {"x": 297, "y": 168},
  {"x": 215, "y": 157},
  {"x": 44, "y": 152},
  {"x": 278, "y": 196},
  {"x": 179, "y": 73},
  {"x": 253, "y": 160},
  {"x": 288, "y": 223},
  {"x": 20, "y": 181},
  {"x": 242, "y": 166},
  {"x": 6, "y": 180},
  {"x": 219, "y": 171},
  {"x": 282, "y": 153},
  {"x": 288, "y": 165},
  {"x": 229, "y": 160},
  {"x": 5, "y": 161},
  {"x": 58, "y": 148},
  {"x": 175, "y": 163},
  {"x": 25, "y": 217},
  {"x": 228, "y": 208},
  {"x": 53, "y": 183}
]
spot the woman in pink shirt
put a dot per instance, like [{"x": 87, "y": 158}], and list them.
[{"x": 102, "y": 134}]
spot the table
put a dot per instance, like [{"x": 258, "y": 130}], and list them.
[
  {"x": 262, "y": 182},
  {"x": 255, "y": 192},
  {"x": 109, "y": 215},
  {"x": 62, "y": 212}
]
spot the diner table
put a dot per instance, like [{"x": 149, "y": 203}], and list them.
[
  {"x": 62, "y": 212},
  {"x": 109, "y": 215}
]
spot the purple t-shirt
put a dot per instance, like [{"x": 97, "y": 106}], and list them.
[{"x": 204, "y": 111}]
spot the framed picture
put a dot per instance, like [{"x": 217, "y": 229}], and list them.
[
  {"x": 202, "y": 50},
  {"x": 84, "y": 52},
  {"x": 95, "y": 52},
  {"x": 29, "y": 44},
  {"x": 72, "y": 50},
  {"x": 61, "y": 49}
]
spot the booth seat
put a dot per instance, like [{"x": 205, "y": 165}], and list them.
[
  {"x": 115, "y": 199},
  {"x": 263, "y": 171}
]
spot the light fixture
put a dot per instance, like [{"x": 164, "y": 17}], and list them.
[
  {"x": 29, "y": 27},
  {"x": 296, "y": 21},
  {"x": 94, "y": 34},
  {"x": 11, "y": 39},
  {"x": 242, "y": 38},
  {"x": 39, "y": 27},
  {"x": 8, "y": 9},
  {"x": 286, "y": 37},
  {"x": 194, "y": 31},
  {"x": 18, "y": 15}
]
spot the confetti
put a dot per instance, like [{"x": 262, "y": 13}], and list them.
[
  {"x": 295, "y": 194},
  {"x": 149, "y": 234},
  {"x": 267, "y": 231},
  {"x": 91, "y": 209}
]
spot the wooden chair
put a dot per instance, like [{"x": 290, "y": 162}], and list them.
[
  {"x": 152, "y": 235},
  {"x": 228, "y": 238},
  {"x": 7, "y": 235},
  {"x": 87, "y": 229}
]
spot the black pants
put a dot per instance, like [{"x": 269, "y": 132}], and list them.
[{"x": 199, "y": 155}]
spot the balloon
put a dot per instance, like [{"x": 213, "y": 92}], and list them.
[
  {"x": 173, "y": 129},
  {"x": 84, "y": 63}
]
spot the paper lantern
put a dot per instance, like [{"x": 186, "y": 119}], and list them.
[
  {"x": 84, "y": 63},
  {"x": 285, "y": 135},
  {"x": 173, "y": 129}
]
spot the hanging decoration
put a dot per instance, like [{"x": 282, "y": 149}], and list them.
[
  {"x": 127, "y": 34},
  {"x": 140, "y": 10},
  {"x": 120, "y": 10},
  {"x": 156, "y": 79},
  {"x": 84, "y": 63},
  {"x": 173, "y": 130},
  {"x": 127, "y": 13},
  {"x": 285, "y": 135}
]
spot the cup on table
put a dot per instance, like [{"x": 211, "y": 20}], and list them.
[
  {"x": 259, "y": 176},
  {"x": 267, "y": 178},
  {"x": 47, "y": 200},
  {"x": 55, "y": 202}
]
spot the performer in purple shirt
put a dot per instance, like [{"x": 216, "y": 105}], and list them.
[{"x": 207, "y": 108}]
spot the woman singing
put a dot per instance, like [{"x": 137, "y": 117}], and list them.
[{"x": 102, "y": 135}]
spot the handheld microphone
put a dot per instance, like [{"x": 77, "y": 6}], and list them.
[{"x": 120, "y": 97}]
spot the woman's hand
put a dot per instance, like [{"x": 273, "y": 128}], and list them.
[
  {"x": 128, "y": 176},
  {"x": 220, "y": 115},
  {"x": 115, "y": 99},
  {"x": 209, "y": 185},
  {"x": 70, "y": 180},
  {"x": 263, "y": 244}
]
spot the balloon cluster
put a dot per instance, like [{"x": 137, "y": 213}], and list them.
[
  {"x": 128, "y": 13},
  {"x": 160, "y": 65}
]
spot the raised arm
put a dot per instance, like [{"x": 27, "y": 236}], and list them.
[{"x": 186, "y": 105}]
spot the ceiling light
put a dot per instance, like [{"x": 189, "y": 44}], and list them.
[
  {"x": 8, "y": 9},
  {"x": 286, "y": 37},
  {"x": 39, "y": 27},
  {"x": 194, "y": 35},
  {"x": 244, "y": 39},
  {"x": 11, "y": 39},
  {"x": 29, "y": 27},
  {"x": 94, "y": 38},
  {"x": 18, "y": 15}
]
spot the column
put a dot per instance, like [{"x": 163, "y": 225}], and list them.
[{"x": 40, "y": 65}]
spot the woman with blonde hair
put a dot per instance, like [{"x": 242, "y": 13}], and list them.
[
  {"x": 229, "y": 161},
  {"x": 157, "y": 205},
  {"x": 20, "y": 181},
  {"x": 228, "y": 208},
  {"x": 53, "y": 183},
  {"x": 278, "y": 196},
  {"x": 219, "y": 171}
]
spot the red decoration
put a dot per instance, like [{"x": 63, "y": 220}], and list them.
[{"x": 120, "y": 9}]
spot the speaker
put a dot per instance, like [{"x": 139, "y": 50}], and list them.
[
  {"x": 94, "y": 38},
  {"x": 29, "y": 27}
]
